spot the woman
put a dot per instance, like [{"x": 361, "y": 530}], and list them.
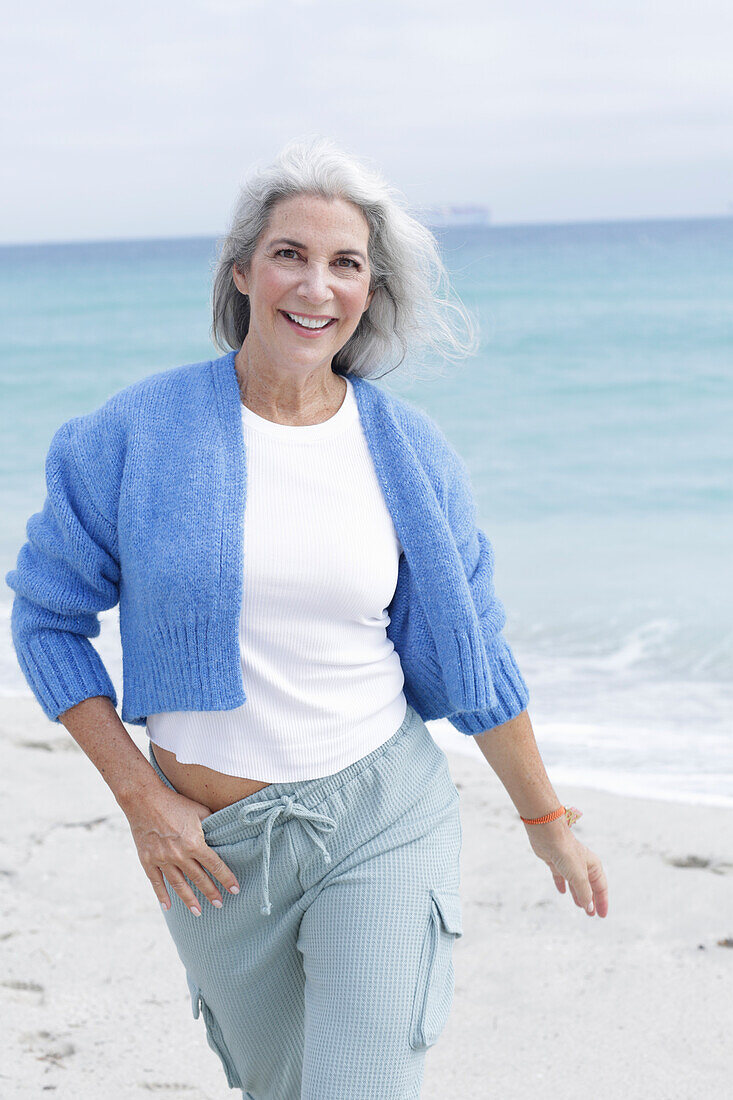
[{"x": 301, "y": 586}]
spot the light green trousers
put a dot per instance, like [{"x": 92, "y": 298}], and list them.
[{"x": 331, "y": 973}]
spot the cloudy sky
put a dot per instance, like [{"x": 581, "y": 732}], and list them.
[{"x": 142, "y": 118}]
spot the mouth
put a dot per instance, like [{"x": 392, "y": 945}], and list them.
[{"x": 312, "y": 328}]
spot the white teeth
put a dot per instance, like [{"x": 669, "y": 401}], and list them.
[{"x": 306, "y": 322}]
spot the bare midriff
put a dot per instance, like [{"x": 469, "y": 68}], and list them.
[{"x": 211, "y": 788}]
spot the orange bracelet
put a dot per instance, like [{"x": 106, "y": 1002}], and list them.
[{"x": 571, "y": 812}]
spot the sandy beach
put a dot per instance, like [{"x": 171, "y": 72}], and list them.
[{"x": 548, "y": 1002}]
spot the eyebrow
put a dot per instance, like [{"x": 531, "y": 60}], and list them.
[{"x": 297, "y": 244}]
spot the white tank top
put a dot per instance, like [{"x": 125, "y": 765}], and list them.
[{"x": 323, "y": 680}]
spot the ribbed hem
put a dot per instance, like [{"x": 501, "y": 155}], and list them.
[
  {"x": 62, "y": 670},
  {"x": 197, "y": 666},
  {"x": 512, "y": 694}
]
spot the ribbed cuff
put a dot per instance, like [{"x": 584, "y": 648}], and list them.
[
  {"x": 511, "y": 690},
  {"x": 62, "y": 670}
]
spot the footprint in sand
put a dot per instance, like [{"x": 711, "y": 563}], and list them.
[
  {"x": 47, "y": 1046},
  {"x": 700, "y": 862},
  {"x": 25, "y": 987},
  {"x": 61, "y": 745}
]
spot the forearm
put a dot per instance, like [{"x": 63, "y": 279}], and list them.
[
  {"x": 512, "y": 752},
  {"x": 97, "y": 729}
]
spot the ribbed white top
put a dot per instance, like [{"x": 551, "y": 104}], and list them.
[{"x": 323, "y": 680}]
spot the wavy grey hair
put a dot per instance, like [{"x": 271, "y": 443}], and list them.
[{"x": 414, "y": 306}]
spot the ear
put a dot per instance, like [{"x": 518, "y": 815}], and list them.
[
  {"x": 370, "y": 295},
  {"x": 240, "y": 280}
]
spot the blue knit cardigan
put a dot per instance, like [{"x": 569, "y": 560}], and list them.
[{"x": 145, "y": 507}]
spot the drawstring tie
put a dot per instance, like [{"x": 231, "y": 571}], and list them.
[{"x": 268, "y": 811}]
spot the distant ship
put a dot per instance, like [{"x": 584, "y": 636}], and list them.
[{"x": 445, "y": 216}]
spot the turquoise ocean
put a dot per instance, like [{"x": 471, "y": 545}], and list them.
[{"x": 597, "y": 424}]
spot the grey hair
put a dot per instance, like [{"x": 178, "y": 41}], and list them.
[{"x": 413, "y": 306}]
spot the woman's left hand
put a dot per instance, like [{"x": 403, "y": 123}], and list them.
[{"x": 571, "y": 862}]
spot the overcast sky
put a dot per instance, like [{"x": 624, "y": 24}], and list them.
[{"x": 142, "y": 118}]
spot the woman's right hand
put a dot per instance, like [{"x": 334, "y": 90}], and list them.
[{"x": 170, "y": 841}]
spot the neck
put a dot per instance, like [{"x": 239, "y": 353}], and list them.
[{"x": 289, "y": 397}]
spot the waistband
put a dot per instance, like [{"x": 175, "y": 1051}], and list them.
[
  {"x": 288, "y": 800},
  {"x": 310, "y": 791}
]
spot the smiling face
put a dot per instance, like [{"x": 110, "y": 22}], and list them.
[{"x": 310, "y": 263}]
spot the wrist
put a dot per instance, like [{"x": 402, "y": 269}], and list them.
[
  {"x": 570, "y": 814},
  {"x": 555, "y": 830},
  {"x": 544, "y": 818},
  {"x": 136, "y": 791}
]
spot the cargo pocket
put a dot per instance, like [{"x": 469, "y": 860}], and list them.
[
  {"x": 214, "y": 1036},
  {"x": 436, "y": 979}
]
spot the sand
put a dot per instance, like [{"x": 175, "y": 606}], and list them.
[{"x": 548, "y": 1001}]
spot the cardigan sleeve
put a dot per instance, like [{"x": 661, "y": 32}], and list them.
[
  {"x": 477, "y": 555},
  {"x": 66, "y": 573}
]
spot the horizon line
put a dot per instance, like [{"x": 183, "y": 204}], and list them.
[{"x": 436, "y": 227}]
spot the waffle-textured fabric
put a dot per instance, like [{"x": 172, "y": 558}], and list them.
[
  {"x": 337, "y": 990},
  {"x": 146, "y": 507},
  {"x": 321, "y": 558}
]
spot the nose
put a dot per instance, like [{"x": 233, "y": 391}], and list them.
[{"x": 314, "y": 286}]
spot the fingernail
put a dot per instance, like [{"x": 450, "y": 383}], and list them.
[
  {"x": 195, "y": 910},
  {"x": 217, "y": 903},
  {"x": 165, "y": 905},
  {"x": 589, "y": 908},
  {"x": 233, "y": 889}
]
